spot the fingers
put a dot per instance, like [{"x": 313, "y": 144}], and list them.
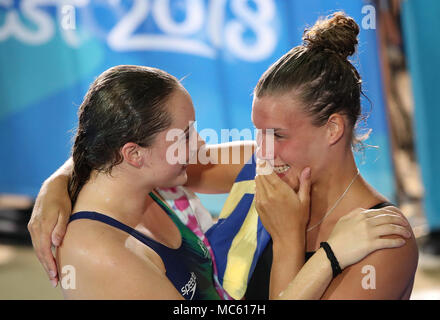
[
  {"x": 263, "y": 190},
  {"x": 260, "y": 193},
  {"x": 389, "y": 243},
  {"x": 41, "y": 241},
  {"x": 263, "y": 168},
  {"x": 60, "y": 229},
  {"x": 304, "y": 186},
  {"x": 273, "y": 182},
  {"x": 267, "y": 185},
  {"x": 260, "y": 185},
  {"x": 266, "y": 171},
  {"x": 387, "y": 221},
  {"x": 385, "y": 218},
  {"x": 265, "y": 181},
  {"x": 370, "y": 213},
  {"x": 392, "y": 209},
  {"x": 44, "y": 254},
  {"x": 390, "y": 229}
]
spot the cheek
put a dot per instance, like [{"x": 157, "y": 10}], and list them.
[
  {"x": 302, "y": 155},
  {"x": 166, "y": 175},
  {"x": 306, "y": 148},
  {"x": 164, "y": 169},
  {"x": 295, "y": 153}
]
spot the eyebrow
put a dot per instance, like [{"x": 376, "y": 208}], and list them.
[{"x": 268, "y": 128}]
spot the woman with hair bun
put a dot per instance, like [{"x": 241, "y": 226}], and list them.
[{"x": 310, "y": 98}]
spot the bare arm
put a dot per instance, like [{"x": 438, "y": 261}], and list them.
[
  {"x": 384, "y": 274},
  {"x": 50, "y": 216},
  {"x": 225, "y": 162},
  {"x": 284, "y": 213},
  {"x": 354, "y": 237},
  {"x": 311, "y": 280},
  {"x": 287, "y": 261}
]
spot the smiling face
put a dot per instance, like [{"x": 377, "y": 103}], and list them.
[
  {"x": 297, "y": 142},
  {"x": 160, "y": 165}
]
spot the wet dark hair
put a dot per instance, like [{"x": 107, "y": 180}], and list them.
[
  {"x": 319, "y": 73},
  {"x": 124, "y": 104}
]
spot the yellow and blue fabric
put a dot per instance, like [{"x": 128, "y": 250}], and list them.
[{"x": 238, "y": 238}]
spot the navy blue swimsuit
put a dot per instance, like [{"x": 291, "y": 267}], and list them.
[{"x": 189, "y": 267}]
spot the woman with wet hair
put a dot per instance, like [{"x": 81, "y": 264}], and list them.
[
  {"x": 119, "y": 159},
  {"x": 130, "y": 237}
]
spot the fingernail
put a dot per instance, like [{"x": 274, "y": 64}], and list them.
[
  {"x": 52, "y": 274},
  {"x": 54, "y": 283}
]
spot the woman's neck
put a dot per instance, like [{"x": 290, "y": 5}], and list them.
[
  {"x": 331, "y": 186},
  {"x": 117, "y": 196}
]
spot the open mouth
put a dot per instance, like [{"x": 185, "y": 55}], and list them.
[{"x": 281, "y": 169}]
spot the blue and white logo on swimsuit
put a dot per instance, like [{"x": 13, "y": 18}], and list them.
[{"x": 190, "y": 288}]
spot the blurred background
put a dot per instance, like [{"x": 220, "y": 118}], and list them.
[{"x": 50, "y": 52}]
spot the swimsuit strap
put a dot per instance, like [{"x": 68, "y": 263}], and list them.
[
  {"x": 119, "y": 225},
  {"x": 382, "y": 205}
]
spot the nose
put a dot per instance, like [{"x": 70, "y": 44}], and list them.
[{"x": 265, "y": 145}]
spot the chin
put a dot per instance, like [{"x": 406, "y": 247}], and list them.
[
  {"x": 175, "y": 181},
  {"x": 183, "y": 179}
]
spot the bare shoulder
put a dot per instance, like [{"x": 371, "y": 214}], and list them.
[
  {"x": 405, "y": 257},
  {"x": 92, "y": 240},
  {"x": 104, "y": 267},
  {"x": 384, "y": 274}
]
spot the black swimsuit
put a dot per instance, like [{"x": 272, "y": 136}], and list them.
[{"x": 258, "y": 286}]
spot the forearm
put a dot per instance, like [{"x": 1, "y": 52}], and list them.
[
  {"x": 217, "y": 166},
  {"x": 287, "y": 261},
  {"x": 311, "y": 281},
  {"x": 63, "y": 173},
  {"x": 59, "y": 180},
  {"x": 235, "y": 152}
]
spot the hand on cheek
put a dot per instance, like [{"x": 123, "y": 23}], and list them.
[
  {"x": 292, "y": 179},
  {"x": 263, "y": 167}
]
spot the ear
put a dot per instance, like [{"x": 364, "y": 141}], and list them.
[
  {"x": 133, "y": 154},
  {"x": 335, "y": 128}
]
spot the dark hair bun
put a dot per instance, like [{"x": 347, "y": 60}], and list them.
[{"x": 337, "y": 33}]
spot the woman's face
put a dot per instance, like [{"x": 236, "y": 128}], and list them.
[
  {"x": 168, "y": 157},
  {"x": 297, "y": 143}
]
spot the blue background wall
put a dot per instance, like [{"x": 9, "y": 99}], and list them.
[
  {"x": 421, "y": 27},
  {"x": 221, "y": 47}
]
